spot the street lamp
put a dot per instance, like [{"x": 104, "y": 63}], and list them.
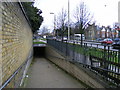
[
  {"x": 68, "y": 20},
  {"x": 54, "y": 22}
]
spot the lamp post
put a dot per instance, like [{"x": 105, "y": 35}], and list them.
[
  {"x": 54, "y": 23},
  {"x": 68, "y": 20}
]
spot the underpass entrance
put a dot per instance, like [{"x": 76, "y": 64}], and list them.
[
  {"x": 45, "y": 74},
  {"x": 39, "y": 50}
]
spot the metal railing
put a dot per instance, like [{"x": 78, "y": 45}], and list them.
[
  {"x": 15, "y": 80},
  {"x": 103, "y": 61}
]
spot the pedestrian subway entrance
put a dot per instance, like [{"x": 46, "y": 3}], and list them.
[
  {"x": 39, "y": 50},
  {"x": 46, "y": 74},
  {"x": 80, "y": 71}
]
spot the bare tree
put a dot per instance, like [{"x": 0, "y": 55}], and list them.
[
  {"x": 83, "y": 18},
  {"x": 44, "y": 30},
  {"x": 61, "y": 21}
]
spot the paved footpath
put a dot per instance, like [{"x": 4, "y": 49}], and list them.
[{"x": 44, "y": 74}]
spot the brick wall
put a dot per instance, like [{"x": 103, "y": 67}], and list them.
[
  {"x": 0, "y": 44},
  {"x": 15, "y": 39}
]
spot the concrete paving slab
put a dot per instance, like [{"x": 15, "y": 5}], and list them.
[{"x": 44, "y": 74}]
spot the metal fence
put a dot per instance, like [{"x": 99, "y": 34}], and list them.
[{"x": 103, "y": 61}]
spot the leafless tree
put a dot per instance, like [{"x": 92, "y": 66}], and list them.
[
  {"x": 61, "y": 21},
  {"x": 83, "y": 18},
  {"x": 44, "y": 30}
]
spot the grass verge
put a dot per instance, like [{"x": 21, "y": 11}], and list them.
[{"x": 39, "y": 43}]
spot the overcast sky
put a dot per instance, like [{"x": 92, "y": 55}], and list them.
[{"x": 105, "y": 12}]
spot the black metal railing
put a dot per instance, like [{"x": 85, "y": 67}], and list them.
[
  {"x": 100, "y": 59},
  {"x": 15, "y": 80}
]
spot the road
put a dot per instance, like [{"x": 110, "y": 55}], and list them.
[
  {"x": 90, "y": 44},
  {"x": 44, "y": 74},
  {"x": 93, "y": 44}
]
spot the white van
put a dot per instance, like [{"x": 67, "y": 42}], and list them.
[{"x": 78, "y": 37}]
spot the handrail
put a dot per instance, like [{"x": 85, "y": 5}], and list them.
[{"x": 8, "y": 80}]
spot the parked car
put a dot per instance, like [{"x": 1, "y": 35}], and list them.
[
  {"x": 116, "y": 39},
  {"x": 99, "y": 40},
  {"x": 64, "y": 38},
  {"x": 78, "y": 37},
  {"x": 107, "y": 41},
  {"x": 116, "y": 44}
]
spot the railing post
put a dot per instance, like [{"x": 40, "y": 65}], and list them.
[
  {"x": 97, "y": 45},
  {"x": 105, "y": 62},
  {"x": 104, "y": 58},
  {"x": 61, "y": 46},
  {"x": 119, "y": 60},
  {"x": 108, "y": 52},
  {"x": 91, "y": 61},
  {"x": 119, "y": 56},
  {"x": 119, "y": 48},
  {"x": 66, "y": 47},
  {"x": 108, "y": 57},
  {"x": 84, "y": 48},
  {"x": 73, "y": 50}
]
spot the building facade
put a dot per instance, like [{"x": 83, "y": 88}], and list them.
[{"x": 90, "y": 32}]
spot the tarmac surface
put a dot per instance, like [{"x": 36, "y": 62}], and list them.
[{"x": 44, "y": 74}]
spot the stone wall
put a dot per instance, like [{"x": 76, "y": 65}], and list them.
[{"x": 15, "y": 39}]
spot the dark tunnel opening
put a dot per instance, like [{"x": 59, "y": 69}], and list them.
[{"x": 39, "y": 51}]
